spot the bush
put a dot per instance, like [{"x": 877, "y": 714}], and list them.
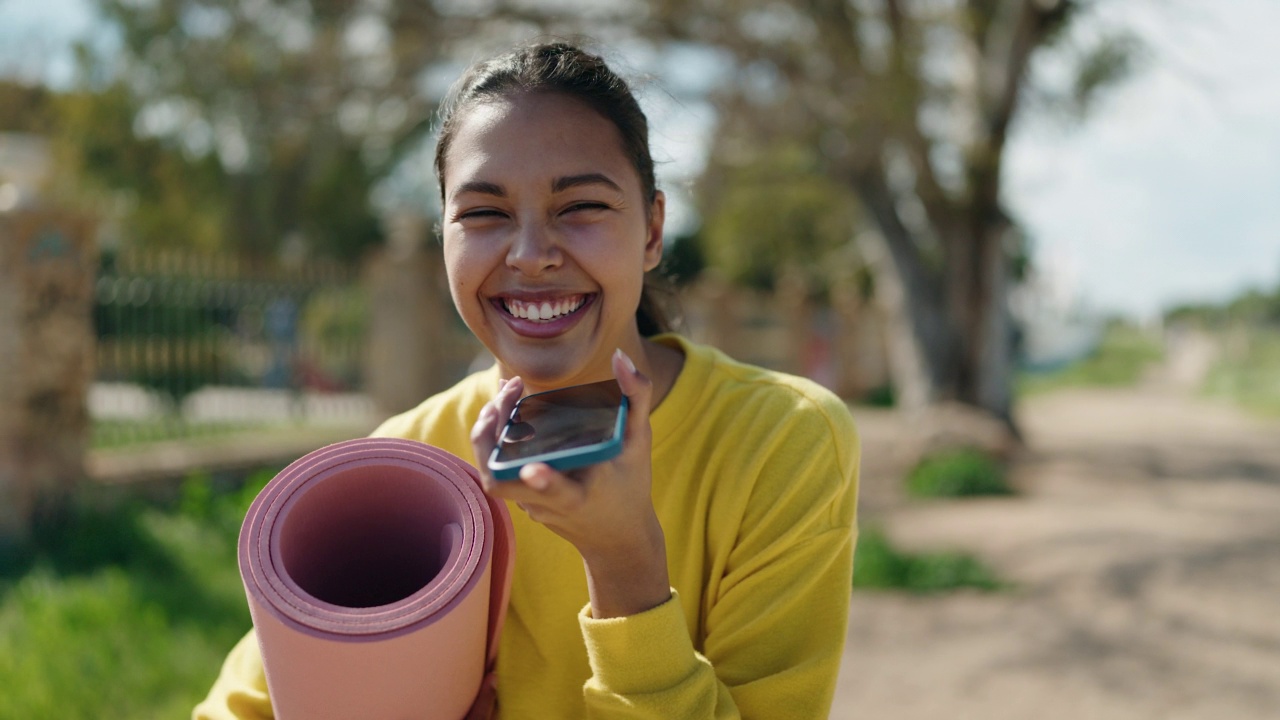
[
  {"x": 964, "y": 472},
  {"x": 878, "y": 565},
  {"x": 127, "y": 611}
]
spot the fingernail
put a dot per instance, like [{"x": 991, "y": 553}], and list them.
[
  {"x": 533, "y": 478},
  {"x": 626, "y": 360}
]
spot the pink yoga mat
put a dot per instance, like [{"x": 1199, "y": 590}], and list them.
[{"x": 378, "y": 574}]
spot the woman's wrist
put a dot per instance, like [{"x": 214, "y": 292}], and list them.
[{"x": 628, "y": 579}]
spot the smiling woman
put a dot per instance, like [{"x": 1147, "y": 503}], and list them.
[
  {"x": 703, "y": 572},
  {"x": 541, "y": 208}
]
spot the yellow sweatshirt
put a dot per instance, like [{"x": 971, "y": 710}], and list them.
[{"x": 755, "y": 478}]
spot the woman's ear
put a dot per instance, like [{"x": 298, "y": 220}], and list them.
[{"x": 653, "y": 240}]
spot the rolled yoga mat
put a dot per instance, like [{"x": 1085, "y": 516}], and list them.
[{"x": 377, "y": 573}]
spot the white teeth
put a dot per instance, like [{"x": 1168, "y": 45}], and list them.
[{"x": 546, "y": 310}]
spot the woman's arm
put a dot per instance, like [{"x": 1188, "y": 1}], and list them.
[{"x": 775, "y": 630}]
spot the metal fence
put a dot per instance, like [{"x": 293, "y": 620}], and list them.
[{"x": 195, "y": 345}]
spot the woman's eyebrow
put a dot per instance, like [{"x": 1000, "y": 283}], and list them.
[
  {"x": 480, "y": 186},
  {"x": 569, "y": 181}
]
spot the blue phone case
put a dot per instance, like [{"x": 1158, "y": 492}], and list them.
[{"x": 568, "y": 458}]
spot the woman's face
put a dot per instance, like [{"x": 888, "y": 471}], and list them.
[{"x": 547, "y": 237}]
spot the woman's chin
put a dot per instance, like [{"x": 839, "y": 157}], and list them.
[{"x": 544, "y": 373}]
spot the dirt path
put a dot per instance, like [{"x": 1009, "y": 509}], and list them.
[{"x": 1146, "y": 550}]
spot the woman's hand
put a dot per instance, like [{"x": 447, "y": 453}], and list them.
[{"x": 605, "y": 510}]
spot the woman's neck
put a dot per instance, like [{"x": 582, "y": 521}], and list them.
[{"x": 662, "y": 363}]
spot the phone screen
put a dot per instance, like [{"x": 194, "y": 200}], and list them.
[{"x": 559, "y": 420}]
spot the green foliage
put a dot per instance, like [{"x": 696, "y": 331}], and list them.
[
  {"x": 1125, "y": 353},
  {"x": 108, "y": 434},
  {"x": 1110, "y": 61},
  {"x": 1248, "y": 372},
  {"x": 334, "y": 315},
  {"x": 963, "y": 472},
  {"x": 165, "y": 197},
  {"x": 24, "y": 108},
  {"x": 218, "y": 126},
  {"x": 883, "y": 396},
  {"x": 126, "y": 611},
  {"x": 1253, "y": 307},
  {"x": 775, "y": 211},
  {"x": 202, "y": 499},
  {"x": 879, "y": 566}
]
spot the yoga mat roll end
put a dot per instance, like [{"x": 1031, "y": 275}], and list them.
[{"x": 377, "y": 573}]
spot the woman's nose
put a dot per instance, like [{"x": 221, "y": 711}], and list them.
[{"x": 533, "y": 250}]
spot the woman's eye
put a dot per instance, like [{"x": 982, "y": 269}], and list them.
[
  {"x": 582, "y": 206},
  {"x": 480, "y": 213}
]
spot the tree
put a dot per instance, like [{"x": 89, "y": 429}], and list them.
[
  {"x": 768, "y": 211},
  {"x": 910, "y": 105},
  {"x": 298, "y": 108}
]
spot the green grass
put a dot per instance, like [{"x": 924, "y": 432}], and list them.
[
  {"x": 962, "y": 472},
  {"x": 1122, "y": 357},
  {"x": 879, "y": 566},
  {"x": 112, "y": 434},
  {"x": 1248, "y": 373},
  {"x": 126, "y": 612}
]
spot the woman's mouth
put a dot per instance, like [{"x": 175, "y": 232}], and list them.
[{"x": 543, "y": 311}]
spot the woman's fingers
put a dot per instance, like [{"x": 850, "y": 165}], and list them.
[
  {"x": 488, "y": 427},
  {"x": 542, "y": 492},
  {"x": 639, "y": 391}
]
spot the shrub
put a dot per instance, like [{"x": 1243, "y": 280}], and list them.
[
  {"x": 130, "y": 607},
  {"x": 961, "y": 472},
  {"x": 878, "y": 565}
]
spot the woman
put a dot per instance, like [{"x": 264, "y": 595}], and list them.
[{"x": 705, "y": 572}]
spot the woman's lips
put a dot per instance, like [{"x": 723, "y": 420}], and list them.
[{"x": 561, "y": 313}]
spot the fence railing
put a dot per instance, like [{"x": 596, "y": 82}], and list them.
[{"x": 191, "y": 345}]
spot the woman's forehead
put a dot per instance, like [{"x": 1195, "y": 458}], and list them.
[{"x": 535, "y": 136}]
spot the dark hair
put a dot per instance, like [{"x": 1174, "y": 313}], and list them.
[{"x": 562, "y": 68}]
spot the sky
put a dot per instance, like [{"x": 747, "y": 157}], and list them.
[{"x": 1168, "y": 192}]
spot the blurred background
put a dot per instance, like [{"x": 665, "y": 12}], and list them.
[{"x": 1035, "y": 244}]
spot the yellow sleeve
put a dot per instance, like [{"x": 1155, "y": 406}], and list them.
[
  {"x": 775, "y": 632},
  {"x": 644, "y": 666},
  {"x": 240, "y": 692}
]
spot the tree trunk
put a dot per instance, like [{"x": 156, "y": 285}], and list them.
[
  {"x": 919, "y": 338},
  {"x": 983, "y": 331},
  {"x": 948, "y": 333},
  {"x": 910, "y": 370}
]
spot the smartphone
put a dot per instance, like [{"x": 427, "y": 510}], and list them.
[{"x": 566, "y": 428}]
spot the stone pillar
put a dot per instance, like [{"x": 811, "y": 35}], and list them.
[
  {"x": 406, "y": 358},
  {"x": 47, "y": 268}
]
